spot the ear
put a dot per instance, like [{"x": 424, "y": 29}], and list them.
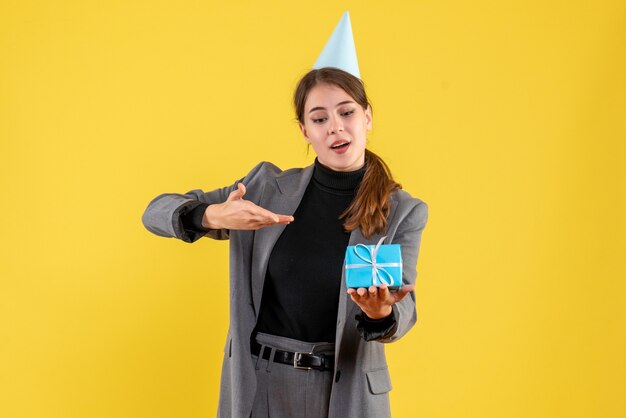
[
  {"x": 304, "y": 132},
  {"x": 368, "y": 117}
]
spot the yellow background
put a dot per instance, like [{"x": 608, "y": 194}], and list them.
[{"x": 507, "y": 118}]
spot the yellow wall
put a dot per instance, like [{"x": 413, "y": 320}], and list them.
[{"x": 508, "y": 118}]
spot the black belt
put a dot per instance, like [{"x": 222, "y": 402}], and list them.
[{"x": 297, "y": 359}]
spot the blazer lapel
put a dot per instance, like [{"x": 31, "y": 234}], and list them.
[{"x": 281, "y": 196}]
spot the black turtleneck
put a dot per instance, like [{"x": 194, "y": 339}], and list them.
[{"x": 301, "y": 292}]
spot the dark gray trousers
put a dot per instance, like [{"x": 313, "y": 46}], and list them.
[{"x": 286, "y": 392}]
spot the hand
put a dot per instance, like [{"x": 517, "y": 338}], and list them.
[
  {"x": 376, "y": 302},
  {"x": 236, "y": 213}
]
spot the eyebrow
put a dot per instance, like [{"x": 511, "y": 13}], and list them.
[{"x": 338, "y": 104}]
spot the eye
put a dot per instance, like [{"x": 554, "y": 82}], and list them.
[
  {"x": 319, "y": 120},
  {"x": 348, "y": 113}
]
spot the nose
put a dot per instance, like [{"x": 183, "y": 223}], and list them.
[{"x": 335, "y": 126}]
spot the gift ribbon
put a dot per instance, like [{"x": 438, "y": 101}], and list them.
[{"x": 377, "y": 268}]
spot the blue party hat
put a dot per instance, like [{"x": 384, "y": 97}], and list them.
[{"x": 339, "y": 50}]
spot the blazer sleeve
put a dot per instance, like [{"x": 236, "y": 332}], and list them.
[
  {"x": 163, "y": 215},
  {"x": 408, "y": 235}
]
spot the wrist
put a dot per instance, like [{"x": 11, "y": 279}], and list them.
[{"x": 210, "y": 219}]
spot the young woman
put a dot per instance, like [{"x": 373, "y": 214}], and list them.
[{"x": 300, "y": 344}]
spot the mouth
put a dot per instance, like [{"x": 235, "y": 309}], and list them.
[{"x": 340, "y": 144}]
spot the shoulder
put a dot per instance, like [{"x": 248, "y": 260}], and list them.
[
  {"x": 410, "y": 208},
  {"x": 287, "y": 181},
  {"x": 262, "y": 170},
  {"x": 405, "y": 200},
  {"x": 266, "y": 170}
]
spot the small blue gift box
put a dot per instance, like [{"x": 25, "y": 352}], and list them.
[{"x": 368, "y": 265}]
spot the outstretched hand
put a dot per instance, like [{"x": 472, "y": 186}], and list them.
[
  {"x": 237, "y": 213},
  {"x": 376, "y": 302}
]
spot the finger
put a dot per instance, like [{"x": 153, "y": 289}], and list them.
[
  {"x": 267, "y": 223},
  {"x": 264, "y": 215},
  {"x": 373, "y": 291},
  {"x": 237, "y": 194},
  {"x": 353, "y": 295},
  {"x": 285, "y": 218},
  {"x": 361, "y": 291},
  {"x": 403, "y": 291},
  {"x": 356, "y": 298},
  {"x": 359, "y": 302},
  {"x": 383, "y": 292},
  {"x": 274, "y": 218},
  {"x": 263, "y": 222}
]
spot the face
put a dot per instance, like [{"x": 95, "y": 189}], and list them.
[{"x": 336, "y": 126}]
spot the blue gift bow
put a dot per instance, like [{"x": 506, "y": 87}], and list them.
[{"x": 377, "y": 268}]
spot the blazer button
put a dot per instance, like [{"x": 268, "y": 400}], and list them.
[{"x": 337, "y": 376}]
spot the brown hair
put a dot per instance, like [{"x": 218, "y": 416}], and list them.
[{"x": 370, "y": 207}]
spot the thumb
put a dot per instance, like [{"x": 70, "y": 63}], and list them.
[
  {"x": 237, "y": 194},
  {"x": 403, "y": 291}
]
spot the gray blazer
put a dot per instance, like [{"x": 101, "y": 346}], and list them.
[{"x": 361, "y": 381}]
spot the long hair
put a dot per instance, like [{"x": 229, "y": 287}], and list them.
[{"x": 370, "y": 207}]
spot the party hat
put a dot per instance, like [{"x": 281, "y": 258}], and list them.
[{"x": 339, "y": 50}]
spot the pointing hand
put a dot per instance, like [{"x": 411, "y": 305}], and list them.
[{"x": 237, "y": 213}]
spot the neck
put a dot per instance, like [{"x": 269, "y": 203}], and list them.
[{"x": 346, "y": 181}]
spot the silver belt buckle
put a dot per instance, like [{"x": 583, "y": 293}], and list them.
[{"x": 296, "y": 357}]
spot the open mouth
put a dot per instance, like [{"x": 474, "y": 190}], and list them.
[{"x": 340, "y": 145}]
